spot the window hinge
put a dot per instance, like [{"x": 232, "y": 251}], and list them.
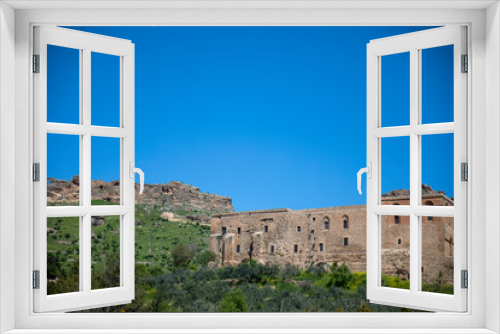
[
  {"x": 36, "y": 63},
  {"x": 36, "y": 279},
  {"x": 465, "y": 64},
  {"x": 464, "y": 168},
  {"x": 465, "y": 279},
  {"x": 36, "y": 172}
]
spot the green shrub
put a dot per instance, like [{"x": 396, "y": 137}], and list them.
[{"x": 234, "y": 301}]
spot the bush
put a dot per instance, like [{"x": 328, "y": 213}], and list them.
[
  {"x": 205, "y": 257},
  {"x": 341, "y": 277},
  {"x": 234, "y": 301},
  {"x": 182, "y": 255}
]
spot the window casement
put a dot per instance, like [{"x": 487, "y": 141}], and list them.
[
  {"x": 424, "y": 16},
  {"x": 416, "y": 212},
  {"x": 84, "y": 295}
]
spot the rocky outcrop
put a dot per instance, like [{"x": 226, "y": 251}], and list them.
[
  {"x": 174, "y": 196},
  {"x": 426, "y": 190}
]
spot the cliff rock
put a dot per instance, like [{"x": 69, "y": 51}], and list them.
[{"x": 173, "y": 196}]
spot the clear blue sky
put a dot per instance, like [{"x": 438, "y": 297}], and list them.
[{"x": 270, "y": 116}]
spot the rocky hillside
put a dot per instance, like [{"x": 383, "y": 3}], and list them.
[
  {"x": 426, "y": 190},
  {"x": 174, "y": 196}
]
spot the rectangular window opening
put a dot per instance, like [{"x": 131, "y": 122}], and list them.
[{"x": 189, "y": 226}]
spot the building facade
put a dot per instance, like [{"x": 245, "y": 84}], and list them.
[{"x": 337, "y": 234}]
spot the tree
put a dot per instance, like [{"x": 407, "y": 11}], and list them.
[
  {"x": 234, "y": 301},
  {"x": 205, "y": 257},
  {"x": 182, "y": 255},
  {"x": 341, "y": 276}
]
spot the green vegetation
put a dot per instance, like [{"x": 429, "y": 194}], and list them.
[
  {"x": 173, "y": 272},
  {"x": 234, "y": 301}
]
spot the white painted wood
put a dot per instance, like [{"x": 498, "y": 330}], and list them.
[
  {"x": 414, "y": 43},
  {"x": 418, "y": 129},
  {"x": 471, "y": 322},
  {"x": 492, "y": 159},
  {"x": 86, "y": 298},
  {"x": 76, "y": 129},
  {"x": 7, "y": 167},
  {"x": 249, "y": 4}
]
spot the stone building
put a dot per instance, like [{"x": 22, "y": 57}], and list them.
[{"x": 337, "y": 234}]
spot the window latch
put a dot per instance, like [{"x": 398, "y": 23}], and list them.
[
  {"x": 134, "y": 170},
  {"x": 368, "y": 171}
]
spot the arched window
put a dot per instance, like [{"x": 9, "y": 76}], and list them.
[
  {"x": 429, "y": 203},
  {"x": 345, "y": 220},
  {"x": 327, "y": 223},
  {"x": 396, "y": 218}
]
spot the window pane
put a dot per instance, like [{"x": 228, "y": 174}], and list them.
[
  {"x": 63, "y": 169},
  {"x": 105, "y": 90},
  {"x": 437, "y": 254},
  {"x": 63, "y": 85},
  {"x": 105, "y": 252},
  {"x": 63, "y": 257},
  {"x": 395, "y": 89},
  {"x": 105, "y": 171},
  {"x": 437, "y": 85},
  {"x": 437, "y": 169},
  {"x": 395, "y": 253},
  {"x": 395, "y": 170}
]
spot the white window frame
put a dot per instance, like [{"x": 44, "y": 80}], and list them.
[
  {"x": 86, "y": 44},
  {"x": 414, "y": 43},
  {"x": 483, "y": 21}
]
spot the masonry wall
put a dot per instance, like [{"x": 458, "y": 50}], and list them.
[{"x": 327, "y": 235}]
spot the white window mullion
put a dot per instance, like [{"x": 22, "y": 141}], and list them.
[
  {"x": 40, "y": 156},
  {"x": 86, "y": 177},
  {"x": 373, "y": 184},
  {"x": 415, "y": 187},
  {"x": 460, "y": 156},
  {"x": 127, "y": 121}
]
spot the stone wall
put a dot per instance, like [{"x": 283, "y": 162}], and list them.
[{"x": 337, "y": 234}]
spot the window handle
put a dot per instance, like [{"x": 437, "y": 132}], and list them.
[
  {"x": 134, "y": 170},
  {"x": 368, "y": 171}
]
